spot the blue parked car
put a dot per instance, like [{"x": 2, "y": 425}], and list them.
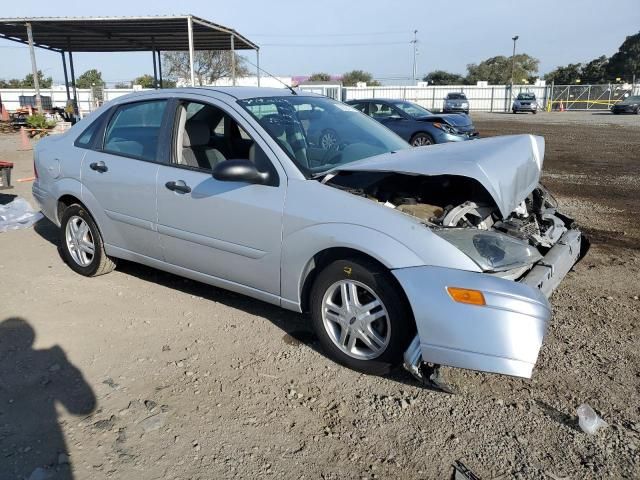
[{"x": 416, "y": 124}]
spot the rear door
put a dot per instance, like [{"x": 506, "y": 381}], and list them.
[
  {"x": 120, "y": 174},
  {"x": 228, "y": 230}
]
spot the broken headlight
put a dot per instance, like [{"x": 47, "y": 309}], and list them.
[{"x": 492, "y": 251}]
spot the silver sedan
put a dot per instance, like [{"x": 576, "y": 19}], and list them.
[{"x": 439, "y": 256}]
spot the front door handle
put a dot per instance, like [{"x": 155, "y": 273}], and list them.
[
  {"x": 178, "y": 186},
  {"x": 98, "y": 167}
]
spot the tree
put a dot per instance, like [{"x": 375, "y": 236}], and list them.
[
  {"x": 320, "y": 77},
  {"x": 497, "y": 70},
  {"x": 208, "y": 65},
  {"x": 350, "y": 79},
  {"x": 146, "y": 81},
  {"x": 595, "y": 71},
  {"x": 12, "y": 83},
  {"x": 440, "y": 77},
  {"x": 565, "y": 75},
  {"x": 625, "y": 63},
  {"x": 90, "y": 78},
  {"x": 42, "y": 82}
]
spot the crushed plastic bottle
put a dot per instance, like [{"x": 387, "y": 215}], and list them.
[{"x": 589, "y": 420}]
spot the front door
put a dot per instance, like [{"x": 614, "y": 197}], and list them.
[
  {"x": 121, "y": 175},
  {"x": 228, "y": 230}
]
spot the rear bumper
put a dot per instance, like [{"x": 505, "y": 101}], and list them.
[
  {"x": 46, "y": 202},
  {"x": 505, "y": 335}
]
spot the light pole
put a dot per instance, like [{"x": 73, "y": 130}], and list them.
[
  {"x": 513, "y": 58},
  {"x": 415, "y": 53}
]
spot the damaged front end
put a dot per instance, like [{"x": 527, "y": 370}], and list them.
[{"x": 486, "y": 201}]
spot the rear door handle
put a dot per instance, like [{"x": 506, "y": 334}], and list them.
[
  {"x": 98, "y": 166},
  {"x": 178, "y": 186}
]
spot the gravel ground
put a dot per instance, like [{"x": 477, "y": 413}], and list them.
[{"x": 142, "y": 374}]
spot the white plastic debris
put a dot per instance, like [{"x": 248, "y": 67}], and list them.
[
  {"x": 17, "y": 214},
  {"x": 589, "y": 420}
]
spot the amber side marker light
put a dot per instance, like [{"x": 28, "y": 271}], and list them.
[{"x": 464, "y": 295}]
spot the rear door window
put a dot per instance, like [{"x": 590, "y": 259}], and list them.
[{"x": 134, "y": 130}]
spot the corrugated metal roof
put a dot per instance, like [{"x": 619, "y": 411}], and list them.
[{"x": 122, "y": 34}]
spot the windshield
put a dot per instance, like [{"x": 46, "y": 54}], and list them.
[
  {"x": 412, "y": 109},
  {"x": 526, "y": 96},
  {"x": 456, "y": 96},
  {"x": 633, "y": 99},
  {"x": 318, "y": 133}
]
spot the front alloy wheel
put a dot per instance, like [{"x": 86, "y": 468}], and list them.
[
  {"x": 361, "y": 317},
  {"x": 421, "y": 140},
  {"x": 79, "y": 241},
  {"x": 356, "y": 320}
]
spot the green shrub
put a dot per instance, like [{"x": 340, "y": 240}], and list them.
[{"x": 40, "y": 121}]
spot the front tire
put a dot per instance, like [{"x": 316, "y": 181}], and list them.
[
  {"x": 421, "y": 139},
  {"x": 360, "y": 318},
  {"x": 81, "y": 244}
]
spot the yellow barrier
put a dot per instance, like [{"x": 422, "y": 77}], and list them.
[{"x": 608, "y": 103}]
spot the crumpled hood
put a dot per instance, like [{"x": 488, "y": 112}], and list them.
[
  {"x": 508, "y": 167},
  {"x": 455, "y": 119}
]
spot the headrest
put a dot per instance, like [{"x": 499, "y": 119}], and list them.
[
  {"x": 196, "y": 134},
  {"x": 273, "y": 124}
]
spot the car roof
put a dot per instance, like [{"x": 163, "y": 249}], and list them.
[{"x": 239, "y": 93}]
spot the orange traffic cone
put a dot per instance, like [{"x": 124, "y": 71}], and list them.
[
  {"x": 4, "y": 114},
  {"x": 25, "y": 144},
  {"x": 561, "y": 106}
]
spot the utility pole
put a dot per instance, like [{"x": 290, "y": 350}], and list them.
[
  {"x": 34, "y": 69},
  {"x": 415, "y": 54},
  {"x": 513, "y": 58}
]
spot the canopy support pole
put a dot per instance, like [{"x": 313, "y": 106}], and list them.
[
  {"x": 190, "y": 33},
  {"x": 155, "y": 68},
  {"x": 34, "y": 69},
  {"x": 66, "y": 76},
  {"x": 159, "y": 68},
  {"x": 233, "y": 60},
  {"x": 76, "y": 107},
  {"x": 258, "y": 65}
]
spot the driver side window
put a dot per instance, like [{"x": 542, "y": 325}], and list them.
[
  {"x": 381, "y": 110},
  {"x": 207, "y": 136}
]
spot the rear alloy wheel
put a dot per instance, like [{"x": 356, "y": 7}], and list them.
[
  {"x": 360, "y": 318},
  {"x": 329, "y": 140},
  {"x": 421, "y": 140},
  {"x": 81, "y": 243}
]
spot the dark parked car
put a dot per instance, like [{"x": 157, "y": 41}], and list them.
[
  {"x": 415, "y": 124},
  {"x": 628, "y": 105},
  {"x": 456, "y": 102},
  {"x": 525, "y": 102}
]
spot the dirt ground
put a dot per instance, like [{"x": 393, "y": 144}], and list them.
[{"x": 142, "y": 374}]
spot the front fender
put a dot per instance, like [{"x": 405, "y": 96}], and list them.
[{"x": 299, "y": 248}]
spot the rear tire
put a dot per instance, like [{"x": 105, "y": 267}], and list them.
[
  {"x": 81, "y": 244},
  {"x": 514, "y": 111},
  {"x": 370, "y": 330}
]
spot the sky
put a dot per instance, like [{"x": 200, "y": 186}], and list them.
[{"x": 299, "y": 37}]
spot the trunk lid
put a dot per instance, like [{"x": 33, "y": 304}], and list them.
[{"x": 508, "y": 167}]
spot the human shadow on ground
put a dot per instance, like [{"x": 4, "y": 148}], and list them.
[{"x": 32, "y": 381}]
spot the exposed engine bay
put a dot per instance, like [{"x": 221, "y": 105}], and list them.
[{"x": 454, "y": 202}]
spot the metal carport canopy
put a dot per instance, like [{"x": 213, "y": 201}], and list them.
[{"x": 123, "y": 34}]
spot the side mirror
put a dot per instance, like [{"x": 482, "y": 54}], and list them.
[{"x": 239, "y": 171}]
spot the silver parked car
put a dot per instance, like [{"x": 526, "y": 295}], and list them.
[
  {"x": 441, "y": 255},
  {"x": 525, "y": 102}
]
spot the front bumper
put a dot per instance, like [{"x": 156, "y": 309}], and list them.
[
  {"x": 525, "y": 108},
  {"x": 505, "y": 335}
]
